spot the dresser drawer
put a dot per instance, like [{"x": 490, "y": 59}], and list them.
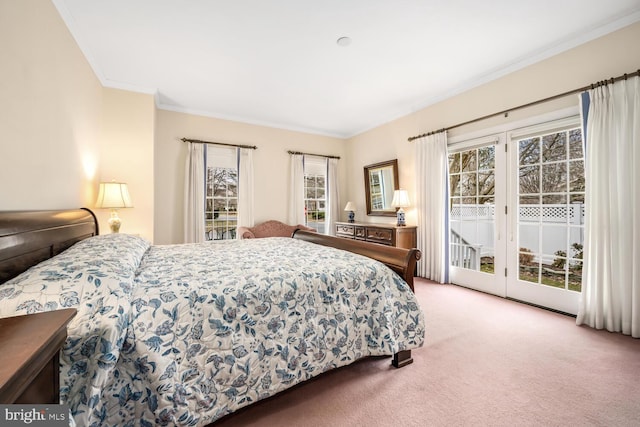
[
  {"x": 380, "y": 235},
  {"x": 343, "y": 230},
  {"x": 361, "y": 233}
]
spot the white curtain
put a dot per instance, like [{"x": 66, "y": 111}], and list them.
[
  {"x": 611, "y": 271},
  {"x": 432, "y": 200},
  {"x": 333, "y": 196},
  {"x": 296, "y": 190},
  {"x": 245, "y": 187},
  {"x": 194, "y": 194}
]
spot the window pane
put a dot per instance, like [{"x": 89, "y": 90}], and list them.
[
  {"x": 576, "y": 176},
  {"x": 468, "y": 184},
  {"x": 219, "y": 204},
  {"x": 486, "y": 183},
  {"x": 529, "y": 269},
  {"x": 310, "y": 181},
  {"x": 575, "y": 276},
  {"x": 554, "y": 199},
  {"x": 529, "y": 200},
  {"x": 469, "y": 161},
  {"x": 554, "y": 147},
  {"x": 490, "y": 200},
  {"x": 577, "y": 198},
  {"x": 310, "y": 192},
  {"x": 529, "y": 179},
  {"x": 529, "y": 151},
  {"x": 232, "y": 190},
  {"x": 454, "y": 163},
  {"x": 576, "y": 242},
  {"x": 455, "y": 184},
  {"x": 554, "y": 242},
  {"x": 554, "y": 178},
  {"x": 486, "y": 158},
  {"x": 575, "y": 144},
  {"x": 529, "y": 238}
]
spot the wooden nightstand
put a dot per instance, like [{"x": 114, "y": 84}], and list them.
[{"x": 30, "y": 356}]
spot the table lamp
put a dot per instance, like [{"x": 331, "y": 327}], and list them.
[
  {"x": 400, "y": 201},
  {"x": 113, "y": 195},
  {"x": 351, "y": 207}
]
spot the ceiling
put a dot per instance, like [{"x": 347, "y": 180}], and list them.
[{"x": 277, "y": 63}]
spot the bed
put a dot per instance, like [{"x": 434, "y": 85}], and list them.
[{"x": 186, "y": 334}]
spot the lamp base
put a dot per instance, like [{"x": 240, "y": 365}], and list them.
[
  {"x": 352, "y": 216},
  {"x": 400, "y": 218},
  {"x": 114, "y": 222}
]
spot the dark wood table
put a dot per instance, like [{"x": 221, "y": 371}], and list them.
[{"x": 30, "y": 356}]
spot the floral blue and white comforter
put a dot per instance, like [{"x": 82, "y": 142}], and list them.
[{"x": 185, "y": 334}]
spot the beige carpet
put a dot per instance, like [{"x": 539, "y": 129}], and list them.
[{"x": 487, "y": 362}]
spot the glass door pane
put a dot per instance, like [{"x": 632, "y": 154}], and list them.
[
  {"x": 472, "y": 202},
  {"x": 550, "y": 219}
]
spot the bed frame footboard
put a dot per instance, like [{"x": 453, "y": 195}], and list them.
[{"x": 402, "y": 261}]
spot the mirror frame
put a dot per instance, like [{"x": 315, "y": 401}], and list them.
[{"x": 396, "y": 186}]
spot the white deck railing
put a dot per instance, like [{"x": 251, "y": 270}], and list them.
[{"x": 464, "y": 254}]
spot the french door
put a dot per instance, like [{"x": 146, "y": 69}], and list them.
[
  {"x": 477, "y": 242},
  {"x": 517, "y": 214}
]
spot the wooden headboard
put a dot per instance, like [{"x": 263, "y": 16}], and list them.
[{"x": 30, "y": 237}]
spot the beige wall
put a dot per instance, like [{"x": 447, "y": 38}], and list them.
[
  {"x": 126, "y": 155},
  {"x": 609, "y": 56},
  {"x": 50, "y": 114},
  {"x": 271, "y": 165},
  {"x": 62, "y": 132}
]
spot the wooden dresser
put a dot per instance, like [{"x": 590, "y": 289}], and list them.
[
  {"x": 29, "y": 362},
  {"x": 385, "y": 234}
]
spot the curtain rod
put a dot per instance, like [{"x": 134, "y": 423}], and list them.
[
  {"x": 531, "y": 104},
  {"x": 197, "y": 141},
  {"x": 311, "y": 154}
]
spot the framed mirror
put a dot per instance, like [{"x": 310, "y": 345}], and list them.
[{"x": 380, "y": 181}]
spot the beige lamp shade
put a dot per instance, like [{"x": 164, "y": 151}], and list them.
[
  {"x": 113, "y": 195},
  {"x": 351, "y": 207},
  {"x": 400, "y": 199}
]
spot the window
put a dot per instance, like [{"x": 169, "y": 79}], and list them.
[
  {"x": 221, "y": 203},
  {"x": 315, "y": 193}
]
